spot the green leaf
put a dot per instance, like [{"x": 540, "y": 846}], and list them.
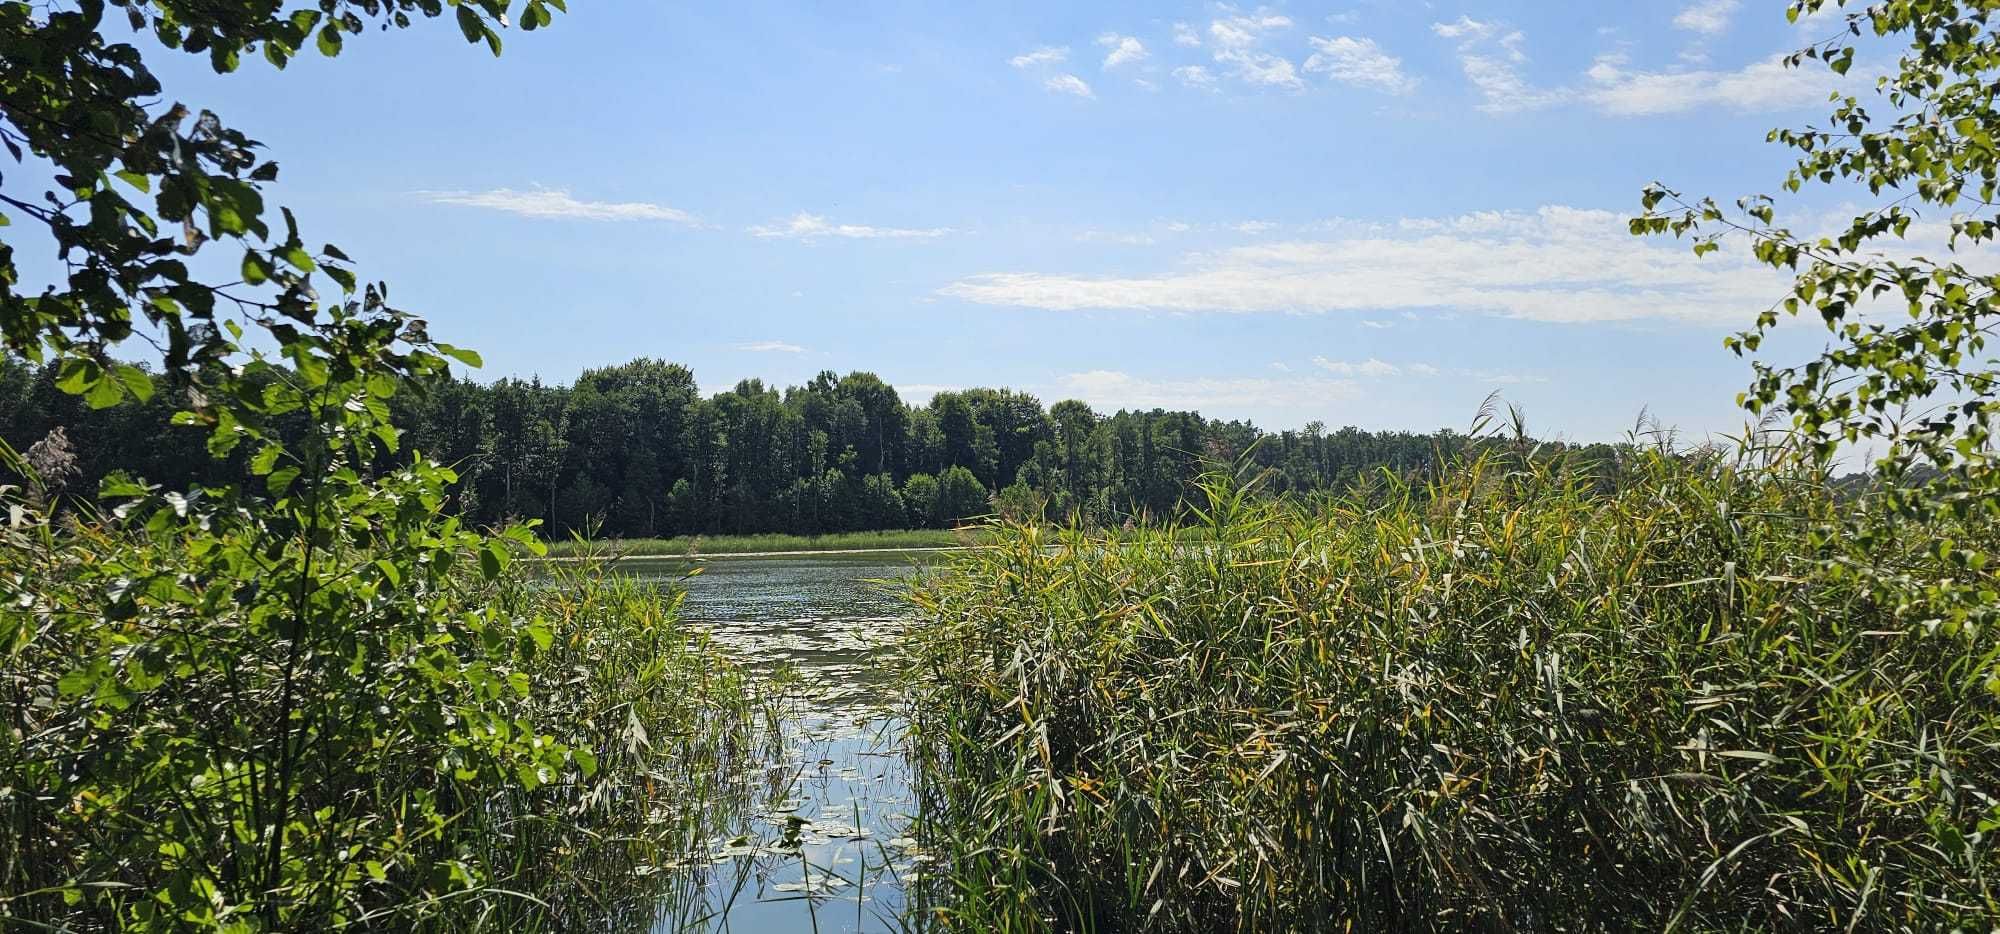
[
  {"x": 280, "y": 480},
  {"x": 120, "y": 485},
  {"x": 75, "y": 376},
  {"x": 469, "y": 24},
  {"x": 492, "y": 560},
  {"x": 468, "y": 357},
  {"x": 105, "y": 392},
  {"x": 76, "y": 682},
  {"x": 329, "y": 40},
  {"x": 266, "y": 459},
  {"x": 256, "y": 269},
  {"x": 135, "y": 381}
]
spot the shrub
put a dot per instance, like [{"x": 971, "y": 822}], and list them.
[{"x": 335, "y": 709}]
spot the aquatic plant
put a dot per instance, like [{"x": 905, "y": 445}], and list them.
[{"x": 1512, "y": 697}]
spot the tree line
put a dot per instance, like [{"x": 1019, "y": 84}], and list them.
[{"x": 636, "y": 450}]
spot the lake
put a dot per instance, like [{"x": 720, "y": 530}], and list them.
[{"x": 821, "y": 842}]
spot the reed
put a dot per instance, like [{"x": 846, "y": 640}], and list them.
[{"x": 1523, "y": 695}]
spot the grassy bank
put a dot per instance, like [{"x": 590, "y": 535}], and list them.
[
  {"x": 1507, "y": 701},
  {"x": 770, "y": 543}
]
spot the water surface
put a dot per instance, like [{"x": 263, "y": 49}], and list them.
[{"x": 821, "y": 844}]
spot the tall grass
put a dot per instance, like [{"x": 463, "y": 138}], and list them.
[{"x": 1517, "y": 697}]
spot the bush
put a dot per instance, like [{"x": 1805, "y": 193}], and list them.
[
  {"x": 1506, "y": 700},
  {"x": 336, "y": 709}
]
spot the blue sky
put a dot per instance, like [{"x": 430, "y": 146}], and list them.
[{"x": 1366, "y": 213}]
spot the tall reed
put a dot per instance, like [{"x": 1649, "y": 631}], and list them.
[{"x": 1518, "y": 696}]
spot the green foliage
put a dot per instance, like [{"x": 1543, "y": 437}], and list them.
[
  {"x": 288, "y": 691},
  {"x": 1905, "y": 372},
  {"x": 1510, "y": 700},
  {"x": 920, "y": 498},
  {"x": 335, "y": 709},
  {"x": 633, "y": 452},
  {"x": 88, "y": 110},
  {"x": 960, "y": 496}
]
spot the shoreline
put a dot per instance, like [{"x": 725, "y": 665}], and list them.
[{"x": 793, "y": 553}]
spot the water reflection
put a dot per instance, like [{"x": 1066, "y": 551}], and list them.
[{"x": 821, "y": 843}]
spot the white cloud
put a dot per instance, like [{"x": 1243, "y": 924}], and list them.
[
  {"x": 1557, "y": 264},
  {"x": 1490, "y": 57},
  {"x": 1378, "y": 325},
  {"x": 1467, "y": 29},
  {"x": 1123, "y": 49},
  {"x": 807, "y": 226},
  {"x": 1069, "y": 84},
  {"x": 1261, "y": 68},
  {"x": 556, "y": 203},
  {"x": 1252, "y": 227},
  {"x": 1501, "y": 87},
  {"x": 1046, "y": 55},
  {"x": 1359, "y": 62},
  {"x": 1421, "y": 369},
  {"x": 1281, "y": 367},
  {"x": 1195, "y": 76},
  {"x": 1185, "y": 35},
  {"x": 1236, "y": 37},
  {"x": 1107, "y": 236},
  {"x": 1115, "y": 389},
  {"x": 769, "y": 347},
  {"x": 1492, "y": 66},
  {"x": 1371, "y": 367},
  {"x": 1709, "y": 17},
  {"x": 1763, "y": 86}
]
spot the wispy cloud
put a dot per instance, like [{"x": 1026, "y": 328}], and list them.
[
  {"x": 1116, "y": 389},
  {"x": 1491, "y": 56},
  {"x": 1557, "y": 264},
  {"x": 1465, "y": 29},
  {"x": 768, "y": 347},
  {"x": 1185, "y": 35},
  {"x": 1236, "y": 38},
  {"x": 1069, "y": 84},
  {"x": 1360, "y": 62},
  {"x": 807, "y": 226},
  {"x": 1763, "y": 86},
  {"x": 1111, "y": 236},
  {"x": 1370, "y": 367},
  {"x": 1708, "y": 17},
  {"x": 1046, "y": 55},
  {"x": 1196, "y": 76},
  {"x": 558, "y": 204},
  {"x": 1122, "y": 49}
]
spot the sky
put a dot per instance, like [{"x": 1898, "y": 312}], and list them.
[{"x": 1364, "y": 213}]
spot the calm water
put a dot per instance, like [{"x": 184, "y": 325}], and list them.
[{"x": 822, "y": 844}]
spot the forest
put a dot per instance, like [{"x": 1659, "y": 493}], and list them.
[{"x": 636, "y": 451}]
